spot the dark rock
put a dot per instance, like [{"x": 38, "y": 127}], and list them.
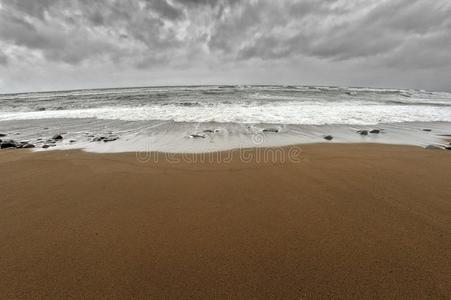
[
  {"x": 51, "y": 141},
  {"x": 22, "y": 143},
  {"x": 271, "y": 130},
  {"x": 28, "y": 146},
  {"x": 99, "y": 138},
  {"x": 57, "y": 137},
  {"x": 362, "y": 132},
  {"x": 208, "y": 131},
  {"x": 9, "y": 144},
  {"x": 72, "y": 141},
  {"x": 105, "y": 139},
  {"x": 329, "y": 137},
  {"x": 45, "y": 146},
  {"x": 448, "y": 147},
  {"x": 427, "y": 130},
  {"x": 197, "y": 136},
  {"x": 433, "y": 147},
  {"x": 375, "y": 131},
  {"x": 2, "y": 134},
  {"x": 110, "y": 139}
]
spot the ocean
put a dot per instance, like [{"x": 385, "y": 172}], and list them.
[{"x": 211, "y": 118}]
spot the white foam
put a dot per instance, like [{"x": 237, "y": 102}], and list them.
[{"x": 273, "y": 113}]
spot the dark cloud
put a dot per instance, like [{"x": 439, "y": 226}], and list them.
[{"x": 149, "y": 34}]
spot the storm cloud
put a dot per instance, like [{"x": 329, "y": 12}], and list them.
[{"x": 53, "y": 44}]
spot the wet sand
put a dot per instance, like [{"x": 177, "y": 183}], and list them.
[{"x": 335, "y": 221}]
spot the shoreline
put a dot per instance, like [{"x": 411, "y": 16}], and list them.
[
  {"x": 345, "y": 220},
  {"x": 114, "y": 136}
]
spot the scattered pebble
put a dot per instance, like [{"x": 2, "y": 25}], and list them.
[
  {"x": 197, "y": 136},
  {"x": 57, "y": 137},
  {"x": 328, "y": 137},
  {"x": 271, "y": 130},
  {"x": 28, "y": 146},
  {"x": 427, "y": 130},
  {"x": 110, "y": 139},
  {"x": 208, "y": 131},
  {"x": 375, "y": 131},
  {"x": 106, "y": 139},
  {"x": 362, "y": 132},
  {"x": 99, "y": 139},
  {"x": 2, "y": 134}
]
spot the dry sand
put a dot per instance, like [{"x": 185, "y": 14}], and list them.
[{"x": 347, "y": 221}]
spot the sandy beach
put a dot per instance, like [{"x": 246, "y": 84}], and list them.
[{"x": 335, "y": 221}]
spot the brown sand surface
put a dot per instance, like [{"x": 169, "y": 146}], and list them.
[{"x": 346, "y": 221}]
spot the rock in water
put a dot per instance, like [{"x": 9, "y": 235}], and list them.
[
  {"x": 110, "y": 139},
  {"x": 208, "y": 131},
  {"x": 433, "y": 147},
  {"x": 375, "y": 131},
  {"x": 57, "y": 137},
  {"x": 362, "y": 132},
  {"x": 2, "y": 135},
  {"x": 197, "y": 136},
  {"x": 427, "y": 130},
  {"x": 45, "y": 146},
  {"x": 271, "y": 130},
  {"x": 28, "y": 146},
  {"x": 329, "y": 137},
  {"x": 9, "y": 144},
  {"x": 99, "y": 139}
]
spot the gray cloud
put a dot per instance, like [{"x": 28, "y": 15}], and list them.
[
  {"x": 3, "y": 58},
  {"x": 210, "y": 34}
]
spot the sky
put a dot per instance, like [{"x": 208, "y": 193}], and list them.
[{"x": 72, "y": 44}]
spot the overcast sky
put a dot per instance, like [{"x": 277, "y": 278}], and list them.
[{"x": 67, "y": 44}]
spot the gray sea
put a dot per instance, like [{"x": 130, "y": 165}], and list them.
[{"x": 211, "y": 118}]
